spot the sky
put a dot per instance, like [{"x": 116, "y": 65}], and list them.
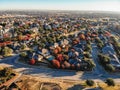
[{"x": 94, "y": 5}]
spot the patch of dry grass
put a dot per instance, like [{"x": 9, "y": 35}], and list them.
[
  {"x": 30, "y": 83},
  {"x": 106, "y": 87}
]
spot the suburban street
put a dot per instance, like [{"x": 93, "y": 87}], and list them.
[
  {"x": 98, "y": 69},
  {"x": 98, "y": 74},
  {"x": 60, "y": 45}
]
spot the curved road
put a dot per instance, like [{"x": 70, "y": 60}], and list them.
[{"x": 98, "y": 74}]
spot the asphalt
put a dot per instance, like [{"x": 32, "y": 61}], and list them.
[{"x": 98, "y": 74}]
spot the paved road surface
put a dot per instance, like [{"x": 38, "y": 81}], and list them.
[
  {"x": 98, "y": 74},
  {"x": 98, "y": 69}
]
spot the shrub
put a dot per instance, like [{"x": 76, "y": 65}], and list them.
[
  {"x": 90, "y": 82},
  {"x": 88, "y": 47},
  {"x": 109, "y": 67},
  {"x": 32, "y": 61},
  {"x": 100, "y": 45},
  {"x": 87, "y": 55},
  {"x": 110, "y": 82},
  {"x": 56, "y": 63},
  {"x": 97, "y": 40},
  {"x": 7, "y": 51},
  {"x": 6, "y": 72},
  {"x": 23, "y": 46},
  {"x": 23, "y": 54},
  {"x": 55, "y": 51},
  {"x": 91, "y": 64},
  {"x": 106, "y": 60},
  {"x": 88, "y": 42},
  {"x": 103, "y": 59},
  {"x": 82, "y": 36}
]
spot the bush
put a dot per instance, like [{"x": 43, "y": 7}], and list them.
[
  {"x": 7, "y": 51},
  {"x": 56, "y": 63},
  {"x": 32, "y": 61},
  {"x": 6, "y": 72},
  {"x": 117, "y": 48},
  {"x": 106, "y": 60},
  {"x": 100, "y": 45},
  {"x": 109, "y": 67},
  {"x": 87, "y": 55},
  {"x": 97, "y": 40},
  {"x": 90, "y": 82},
  {"x": 88, "y": 48},
  {"x": 91, "y": 64},
  {"x": 110, "y": 82},
  {"x": 23, "y": 46},
  {"x": 88, "y": 42},
  {"x": 23, "y": 54},
  {"x": 103, "y": 59}
]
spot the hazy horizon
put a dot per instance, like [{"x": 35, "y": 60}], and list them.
[{"x": 79, "y": 5}]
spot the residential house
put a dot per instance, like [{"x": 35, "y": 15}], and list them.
[{"x": 108, "y": 49}]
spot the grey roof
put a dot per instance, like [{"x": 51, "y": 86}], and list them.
[{"x": 107, "y": 50}]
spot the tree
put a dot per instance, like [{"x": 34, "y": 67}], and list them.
[
  {"x": 110, "y": 82},
  {"x": 23, "y": 46},
  {"x": 88, "y": 47},
  {"x": 100, "y": 45},
  {"x": 7, "y": 51},
  {"x": 87, "y": 55},
  {"x": 88, "y": 42},
  {"x": 66, "y": 57},
  {"x": 97, "y": 40},
  {"x": 109, "y": 67},
  {"x": 32, "y": 61},
  {"x": 117, "y": 47},
  {"x": 20, "y": 37},
  {"x": 6, "y": 72},
  {"x": 91, "y": 64},
  {"x": 113, "y": 39},
  {"x": 100, "y": 31},
  {"x": 105, "y": 62},
  {"x": 56, "y": 63},
  {"x": 23, "y": 54},
  {"x": 103, "y": 59},
  {"x": 42, "y": 45},
  {"x": 82, "y": 36},
  {"x": 90, "y": 82}
]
